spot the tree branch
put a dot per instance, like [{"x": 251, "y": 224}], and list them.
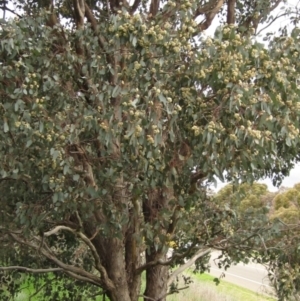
[
  {"x": 210, "y": 15},
  {"x": 37, "y": 291},
  {"x": 52, "y": 20},
  {"x": 57, "y": 229},
  {"x": 79, "y": 9},
  {"x": 168, "y": 262},
  {"x": 34, "y": 271},
  {"x": 189, "y": 263},
  {"x": 276, "y": 18},
  {"x": 85, "y": 239},
  {"x": 154, "y": 7},
  {"x": 231, "y": 11},
  {"x": 171, "y": 293},
  {"x": 91, "y": 18},
  {"x": 274, "y": 6},
  {"x": 255, "y": 21},
  {"x": 134, "y": 6},
  {"x": 79, "y": 13},
  {"x": 211, "y": 6},
  {"x": 73, "y": 271},
  {"x": 147, "y": 298},
  {"x": 10, "y": 10}
]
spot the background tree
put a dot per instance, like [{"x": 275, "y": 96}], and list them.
[
  {"x": 286, "y": 205},
  {"x": 284, "y": 264},
  {"x": 254, "y": 205},
  {"x": 114, "y": 115},
  {"x": 244, "y": 197}
]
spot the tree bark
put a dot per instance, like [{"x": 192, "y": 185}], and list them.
[
  {"x": 156, "y": 281},
  {"x": 111, "y": 253},
  {"x": 115, "y": 266},
  {"x": 132, "y": 259}
]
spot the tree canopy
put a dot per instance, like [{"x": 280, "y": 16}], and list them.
[{"x": 115, "y": 117}]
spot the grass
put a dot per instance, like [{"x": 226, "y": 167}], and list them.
[
  {"x": 204, "y": 289},
  {"x": 27, "y": 292}
]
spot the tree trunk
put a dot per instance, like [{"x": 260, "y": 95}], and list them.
[
  {"x": 115, "y": 266},
  {"x": 133, "y": 260},
  {"x": 156, "y": 281},
  {"x": 111, "y": 253},
  {"x": 156, "y": 276}
]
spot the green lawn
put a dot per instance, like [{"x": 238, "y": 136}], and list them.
[{"x": 202, "y": 289}]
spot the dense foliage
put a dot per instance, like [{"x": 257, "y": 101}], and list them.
[{"x": 116, "y": 116}]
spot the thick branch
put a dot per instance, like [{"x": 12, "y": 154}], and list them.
[
  {"x": 134, "y": 6},
  {"x": 189, "y": 263},
  {"x": 211, "y": 6},
  {"x": 85, "y": 239},
  {"x": 79, "y": 13},
  {"x": 73, "y": 271},
  {"x": 56, "y": 230},
  {"x": 52, "y": 20},
  {"x": 168, "y": 262},
  {"x": 154, "y": 7},
  {"x": 29, "y": 270},
  {"x": 209, "y": 16},
  {"x": 91, "y": 18},
  {"x": 79, "y": 277},
  {"x": 231, "y": 11},
  {"x": 79, "y": 9}
]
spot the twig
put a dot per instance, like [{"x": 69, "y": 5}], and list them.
[
  {"x": 94, "y": 235},
  {"x": 182, "y": 268},
  {"x": 37, "y": 291},
  {"x": 171, "y": 293},
  {"x": 79, "y": 219},
  {"x": 276, "y": 18},
  {"x": 11, "y": 11}
]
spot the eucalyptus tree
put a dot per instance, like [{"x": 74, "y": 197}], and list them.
[{"x": 115, "y": 116}]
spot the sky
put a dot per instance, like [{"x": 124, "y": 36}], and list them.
[{"x": 290, "y": 181}]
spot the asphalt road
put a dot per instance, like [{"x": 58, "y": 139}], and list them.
[{"x": 251, "y": 276}]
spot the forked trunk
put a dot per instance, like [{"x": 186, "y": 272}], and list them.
[{"x": 111, "y": 253}]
